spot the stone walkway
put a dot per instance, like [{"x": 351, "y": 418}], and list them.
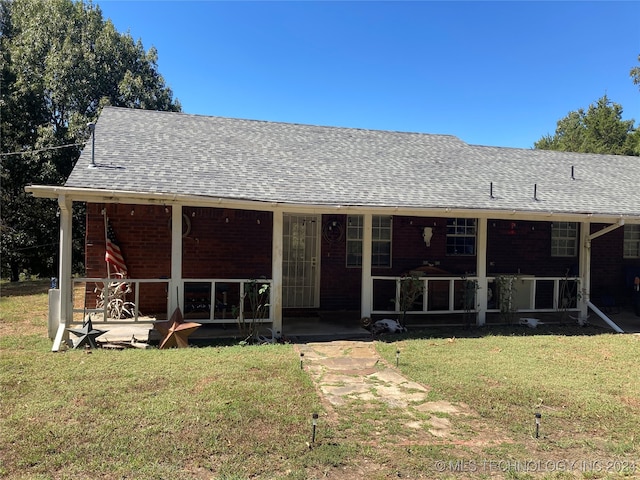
[{"x": 346, "y": 371}]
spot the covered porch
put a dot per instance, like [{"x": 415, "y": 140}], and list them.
[{"x": 474, "y": 298}]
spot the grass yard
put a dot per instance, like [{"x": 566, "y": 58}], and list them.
[
  {"x": 231, "y": 412},
  {"x": 585, "y": 388}
]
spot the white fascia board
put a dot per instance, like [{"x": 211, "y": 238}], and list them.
[{"x": 167, "y": 199}]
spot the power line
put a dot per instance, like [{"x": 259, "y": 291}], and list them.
[
  {"x": 42, "y": 149},
  {"x": 35, "y": 246}
]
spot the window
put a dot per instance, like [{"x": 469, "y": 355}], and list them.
[
  {"x": 564, "y": 239},
  {"x": 461, "y": 236},
  {"x": 631, "y": 241},
  {"x": 354, "y": 241},
  {"x": 381, "y": 241}
]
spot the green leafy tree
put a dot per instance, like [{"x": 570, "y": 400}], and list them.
[
  {"x": 600, "y": 129},
  {"x": 61, "y": 62},
  {"x": 635, "y": 74}
]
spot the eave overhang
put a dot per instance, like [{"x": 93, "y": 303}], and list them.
[{"x": 168, "y": 199}]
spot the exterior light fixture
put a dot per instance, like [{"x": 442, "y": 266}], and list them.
[
  {"x": 538, "y": 417},
  {"x": 301, "y": 358},
  {"x": 397, "y": 358},
  {"x": 314, "y": 423}
]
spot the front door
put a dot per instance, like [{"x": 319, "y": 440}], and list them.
[{"x": 301, "y": 253}]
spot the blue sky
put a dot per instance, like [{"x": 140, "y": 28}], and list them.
[{"x": 492, "y": 73}]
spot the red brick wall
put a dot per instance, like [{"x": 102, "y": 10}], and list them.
[
  {"x": 225, "y": 243},
  {"x": 145, "y": 241},
  {"x": 612, "y": 274},
  {"x": 220, "y": 244},
  {"x": 410, "y": 251},
  {"x": 147, "y": 230},
  {"x": 339, "y": 286},
  {"x": 525, "y": 247}
]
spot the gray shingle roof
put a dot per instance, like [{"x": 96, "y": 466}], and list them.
[{"x": 160, "y": 152}]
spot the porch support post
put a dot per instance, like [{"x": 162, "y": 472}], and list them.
[
  {"x": 65, "y": 280},
  {"x": 175, "y": 292},
  {"x": 481, "y": 269},
  {"x": 276, "y": 271},
  {"x": 585, "y": 272},
  {"x": 367, "y": 282}
]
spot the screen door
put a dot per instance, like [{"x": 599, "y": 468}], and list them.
[{"x": 300, "y": 269}]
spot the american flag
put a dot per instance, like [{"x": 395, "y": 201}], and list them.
[{"x": 113, "y": 255}]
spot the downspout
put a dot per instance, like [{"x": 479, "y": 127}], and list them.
[{"x": 601, "y": 314}]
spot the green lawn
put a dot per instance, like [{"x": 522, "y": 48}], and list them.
[
  {"x": 585, "y": 387},
  {"x": 233, "y": 412}
]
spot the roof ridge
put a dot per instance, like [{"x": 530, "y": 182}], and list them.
[
  {"x": 278, "y": 122},
  {"x": 555, "y": 152}
]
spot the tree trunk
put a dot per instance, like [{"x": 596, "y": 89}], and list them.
[{"x": 15, "y": 272}]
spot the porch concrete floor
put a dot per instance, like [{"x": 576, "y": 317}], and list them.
[
  {"x": 300, "y": 330},
  {"x": 295, "y": 330}
]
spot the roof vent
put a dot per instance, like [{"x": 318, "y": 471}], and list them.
[{"x": 92, "y": 129}]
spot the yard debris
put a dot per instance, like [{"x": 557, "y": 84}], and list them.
[
  {"x": 276, "y": 337},
  {"x": 122, "y": 345},
  {"x": 530, "y": 322},
  {"x": 386, "y": 325}
]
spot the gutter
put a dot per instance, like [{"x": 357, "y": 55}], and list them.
[{"x": 157, "y": 198}]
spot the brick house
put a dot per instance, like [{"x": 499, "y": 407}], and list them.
[{"x": 333, "y": 219}]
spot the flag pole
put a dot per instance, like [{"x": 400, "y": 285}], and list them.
[{"x": 106, "y": 237}]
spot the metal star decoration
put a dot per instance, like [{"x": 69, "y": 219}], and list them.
[
  {"x": 87, "y": 334},
  {"x": 175, "y": 331}
]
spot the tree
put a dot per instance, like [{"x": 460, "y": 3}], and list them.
[
  {"x": 598, "y": 130},
  {"x": 61, "y": 62},
  {"x": 635, "y": 74}
]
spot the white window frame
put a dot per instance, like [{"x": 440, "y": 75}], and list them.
[
  {"x": 382, "y": 230},
  {"x": 564, "y": 239},
  {"x": 631, "y": 247},
  {"x": 354, "y": 241},
  {"x": 382, "y": 234},
  {"x": 460, "y": 233}
]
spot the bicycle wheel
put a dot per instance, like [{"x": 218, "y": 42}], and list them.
[{"x": 115, "y": 308}]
